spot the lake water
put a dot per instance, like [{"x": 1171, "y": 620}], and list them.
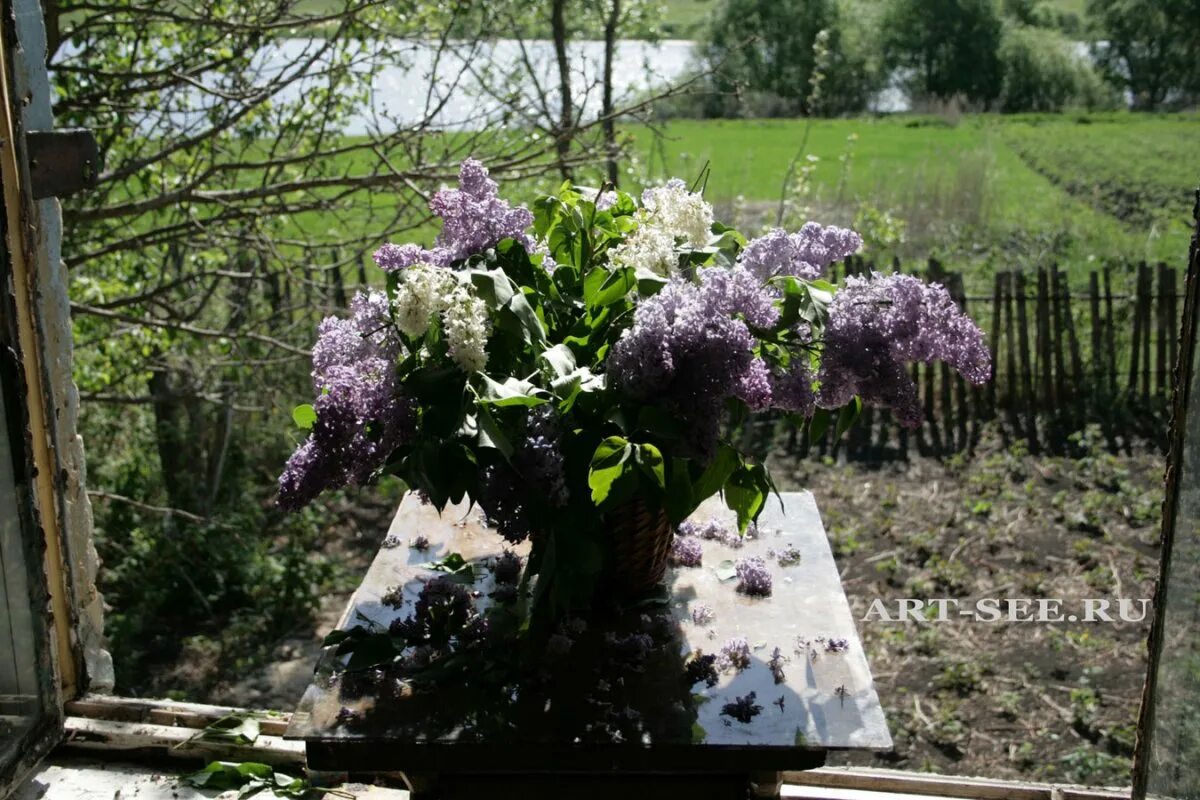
[{"x": 483, "y": 85}]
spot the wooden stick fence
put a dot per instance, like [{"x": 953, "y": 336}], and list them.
[{"x": 1063, "y": 359}]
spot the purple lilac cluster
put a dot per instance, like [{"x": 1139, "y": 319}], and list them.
[
  {"x": 686, "y": 347},
  {"x": 805, "y": 254},
  {"x": 630, "y": 650},
  {"x": 361, "y": 413},
  {"x": 701, "y": 668},
  {"x": 692, "y": 346},
  {"x": 879, "y": 324},
  {"x": 686, "y": 551},
  {"x": 474, "y": 218},
  {"x": 507, "y": 568},
  {"x": 703, "y": 614},
  {"x": 504, "y": 490},
  {"x": 443, "y": 609},
  {"x": 754, "y": 579},
  {"x": 500, "y": 497},
  {"x": 539, "y": 458}
]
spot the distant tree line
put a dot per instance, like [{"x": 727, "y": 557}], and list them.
[{"x": 831, "y": 57}]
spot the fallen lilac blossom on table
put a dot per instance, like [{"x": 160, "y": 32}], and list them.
[
  {"x": 735, "y": 654},
  {"x": 754, "y": 579},
  {"x": 686, "y": 551},
  {"x": 743, "y": 709}
]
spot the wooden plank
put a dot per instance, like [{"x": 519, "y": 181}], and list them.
[
  {"x": 1058, "y": 337},
  {"x": 1013, "y": 394},
  {"x": 962, "y": 407},
  {"x": 1026, "y": 362},
  {"x": 1110, "y": 334},
  {"x": 170, "y": 712},
  {"x": 1077, "y": 379},
  {"x": 1145, "y": 292},
  {"x": 1172, "y": 322},
  {"x": 1162, "y": 332},
  {"x": 1097, "y": 330},
  {"x": 112, "y": 737},
  {"x": 1135, "y": 350},
  {"x": 888, "y": 782},
  {"x": 1001, "y": 283}
]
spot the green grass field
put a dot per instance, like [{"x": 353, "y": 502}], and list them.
[
  {"x": 996, "y": 191},
  {"x": 982, "y": 193}
]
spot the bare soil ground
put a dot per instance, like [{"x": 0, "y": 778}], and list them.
[{"x": 1035, "y": 700}]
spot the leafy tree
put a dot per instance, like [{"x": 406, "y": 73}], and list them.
[
  {"x": 947, "y": 48},
  {"x": 1042, "y": 72},
  {"x": 1150, "y": 47},
  {"x": 231, "y": 214},
  {"x": 764, "y": 57}
]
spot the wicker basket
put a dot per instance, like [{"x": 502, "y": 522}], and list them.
[{"x": 641, "y": 539}]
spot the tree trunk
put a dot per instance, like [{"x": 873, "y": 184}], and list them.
[
  {"x": 610, "y": 124},
  {"x": 566, "y": 117}
]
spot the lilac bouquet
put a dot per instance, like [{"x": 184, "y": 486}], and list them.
[{"x": 552, "y": 364}]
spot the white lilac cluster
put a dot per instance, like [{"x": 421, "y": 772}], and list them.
[
  {"x": 423, "y": 293},
  {"x": 647, "y": 248},
  {"x": 669, "y": 213},
  {"x": 467, "y": 329},
  {"x": 427, "y": 291},
  {"x": 681, "y": 213}
]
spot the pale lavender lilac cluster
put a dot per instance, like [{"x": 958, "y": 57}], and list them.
[
  {"x": 805, "y": 254},
  {"x": 474, "y": 218},
  {"x": 879, "y": 324},
  {"x": 703, "y": 614},
  {"x": 361, "y": 413},
  {"x": 754, "y": 579},
  {"x": 686, "y": 551}
]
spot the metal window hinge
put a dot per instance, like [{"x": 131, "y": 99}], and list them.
[{"x": 62, "y": 162}]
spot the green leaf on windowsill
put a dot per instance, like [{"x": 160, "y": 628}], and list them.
[
  {"x": 454, "y": 566},
  {"x": 240, "y": 729}
]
